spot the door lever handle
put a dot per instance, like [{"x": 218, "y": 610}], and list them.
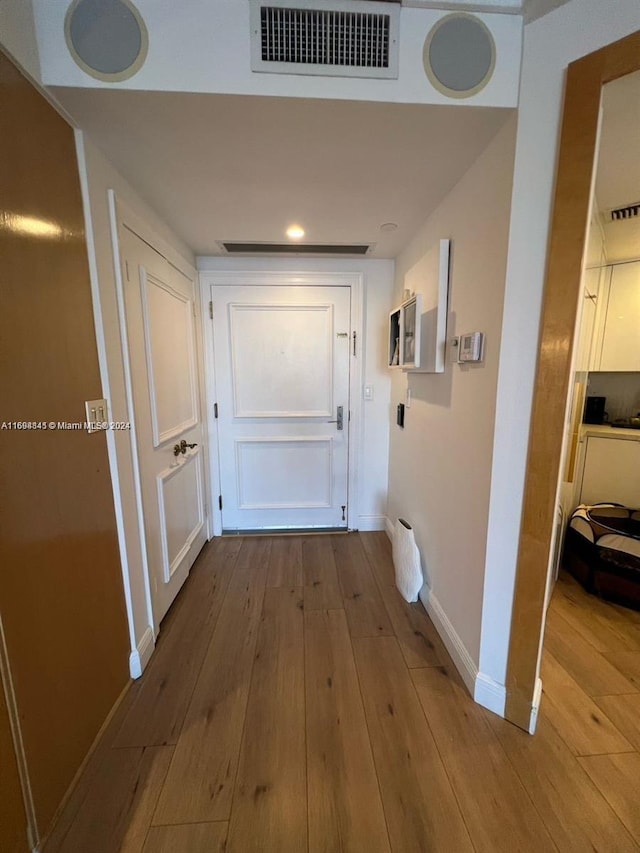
[
  {"x": 339, "y": 421},
  {"x": 182, "y": 447}
]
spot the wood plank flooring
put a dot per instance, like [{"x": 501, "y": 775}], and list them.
[{"x": 296, "y": 704}]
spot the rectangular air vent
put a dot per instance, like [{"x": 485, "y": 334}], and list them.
[
  {"x": 631, "y": 211},
  {"x": 346, "y": 38},
  {"x": 294, "y": 249}
]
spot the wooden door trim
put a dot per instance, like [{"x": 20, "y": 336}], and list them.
[
  {"x": 585, "y": 79},
  {"x": 288, "y": 277}
]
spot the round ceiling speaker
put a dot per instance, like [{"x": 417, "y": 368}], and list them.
[
  {"x": 107, "y": 38},
  {"x": 459, "y": 55}
]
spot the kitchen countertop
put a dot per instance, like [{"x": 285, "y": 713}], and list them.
[{"x": 607, "y": 431}]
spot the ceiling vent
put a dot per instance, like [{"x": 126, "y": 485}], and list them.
[
  {"x": 617, "y": 214},
  {"x": 341, "y": 249},
  {"x": 340, "y": 38}
]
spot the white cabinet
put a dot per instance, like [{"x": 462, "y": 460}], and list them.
[
  {"x": 617, "y": 344},
  {"x": 611, "y": 470}
]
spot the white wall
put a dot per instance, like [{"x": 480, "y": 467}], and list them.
[
  {"x": 440, "y": 463},
  {"x": 98, "y": 176},
  {"x": 550, "y": 44},
  {"x": 18, "y": 35},
  {"x": 378, "y": 285},
  {"x": 205, "y": 47}
]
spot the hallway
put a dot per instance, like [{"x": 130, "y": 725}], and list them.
[{"x": 296, "y": 703}]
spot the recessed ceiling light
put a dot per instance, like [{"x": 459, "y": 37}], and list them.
[
  {"x": 389, "y": 226},
  {"x": 295, "y": 232}
]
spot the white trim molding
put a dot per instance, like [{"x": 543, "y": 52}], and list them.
[
  {"x": 118, "y": 215},
  {"x": 535, "y": 706},
  {"x": 484, "y": 690},
  {"x": 102, "y": 346},
  {"x": 490, "y": 694},
  {"x": 462, "y": 659},
  {"x": 140, "y": 656},
  {"x": 388, "y": 527},
  {"x": 372, "y": 522}
]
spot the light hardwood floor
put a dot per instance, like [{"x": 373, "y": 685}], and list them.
[{"x": 296, "y": 703}]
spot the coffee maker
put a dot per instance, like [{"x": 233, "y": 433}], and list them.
[{"x": 594, "y": 412}]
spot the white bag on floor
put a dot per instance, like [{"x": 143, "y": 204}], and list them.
[{"x": 406, "y": 559}]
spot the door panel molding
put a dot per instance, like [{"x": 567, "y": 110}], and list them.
[
  {"x": 290, "y": 441},
  {"x": 239, "y": 335},
  {"x": 160, "y": 436},
  {"x": 192, "y": 465},
  {"x": 286, "y": 277}
]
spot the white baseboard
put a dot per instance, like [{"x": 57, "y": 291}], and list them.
[
  {"x": 372, "y": 522},
  {"x": 490, "y": 694},
  {"x": 484, "y": 690},
  {"x": 388, "y": 526},
  {"x": 461, "y": 657},
  {"x": 139, "y": 658},
  {"x": 535, "y": 707}
]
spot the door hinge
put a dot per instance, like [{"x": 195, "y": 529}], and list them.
[
  {"x": 215, "y": 411},
  {"x": 126, "y": 266},
  {"x": 220, "y": 501},
  {"x": 354, "y": 336},
  {"x": 211, "y": 310}
]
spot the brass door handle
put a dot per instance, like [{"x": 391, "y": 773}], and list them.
[{"x": 182, "y": 447}]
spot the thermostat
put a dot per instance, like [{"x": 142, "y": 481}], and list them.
[{"x": 471, "y": 347}]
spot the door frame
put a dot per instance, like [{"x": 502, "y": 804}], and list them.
[
  {"x": 121, "y": 216},
  {"x": 571, "y": 212},
  {"x": 286, "y": 278}
]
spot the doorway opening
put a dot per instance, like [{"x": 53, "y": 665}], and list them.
[
  {"x": 283, "y": 365},
  {"x": 560, "y": 441}
]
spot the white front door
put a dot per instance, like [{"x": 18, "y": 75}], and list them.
[
  {"x": 282, "y": 357},
  {"x": 160, "y": 322}
]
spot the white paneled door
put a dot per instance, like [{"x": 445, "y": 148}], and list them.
[
  {"x": 161, "y": 337},
  {"x": 282, "y": 356}
]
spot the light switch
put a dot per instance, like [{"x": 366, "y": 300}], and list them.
[
  {"x": 96, "y": 414},
  {"x": 368, "y": 392}
]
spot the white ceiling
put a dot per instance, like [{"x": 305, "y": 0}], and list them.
[
  {"x": 237, "y": 168},
  {"x": 618, "y": 170}
]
